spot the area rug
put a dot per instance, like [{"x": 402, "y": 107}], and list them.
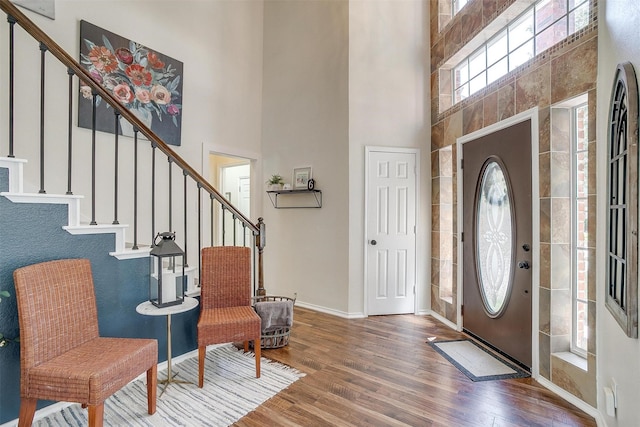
[
  {"x": 230, "y": 391},
  {"x": 476, "y": 362}
]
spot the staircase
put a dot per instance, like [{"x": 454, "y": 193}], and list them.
[{"x": 53, "y": 207}]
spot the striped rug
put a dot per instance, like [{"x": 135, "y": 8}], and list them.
[{"x": 230, "y": 391}]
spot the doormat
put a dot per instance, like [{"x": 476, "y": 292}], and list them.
[{"x": 476, "y": 362}]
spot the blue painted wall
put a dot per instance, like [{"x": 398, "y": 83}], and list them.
[{"x": 33, "y": 233}]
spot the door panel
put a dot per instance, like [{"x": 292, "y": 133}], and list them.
[
  {"x": 497, "y": 240},
  {"x": 391, "y": 207},
  {"x": 236, "y": 187}
]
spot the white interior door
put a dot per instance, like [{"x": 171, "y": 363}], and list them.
[
  {"x": 236, "y": 187},
  {"x": 244, "y": 204},
  {"x": 391, "y": 232}
]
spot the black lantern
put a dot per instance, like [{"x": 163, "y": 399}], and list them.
[{"x": 166, "y": 271}]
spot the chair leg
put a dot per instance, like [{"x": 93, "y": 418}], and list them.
[
  {"x": 246, "y": 346},
  {"x": 201, "y": 355},
  {"x": 256, "y": 346},
  {"x": 27, "y": 410},
  {"x": 152, "y": 389},
  {"x": 96, "y": 415}
]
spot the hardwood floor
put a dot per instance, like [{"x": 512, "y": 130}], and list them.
[{"x": 379, "y": 371}]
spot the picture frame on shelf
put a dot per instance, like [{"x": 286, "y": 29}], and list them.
[{"x": 300, "y": 177}]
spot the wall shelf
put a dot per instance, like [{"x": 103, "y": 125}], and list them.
[{"x": 314, "y": 197}]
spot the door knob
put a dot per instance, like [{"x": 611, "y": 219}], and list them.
[
  {"x": 524, "y": 264},
  {"x": 373, "y": 242}
]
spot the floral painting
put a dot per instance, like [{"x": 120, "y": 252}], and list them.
[{"x": 147, "y": 82}]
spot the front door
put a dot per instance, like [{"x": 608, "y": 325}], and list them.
[
  {"x": 391, "y": 232},
  {"x": 497, "y": 240}
]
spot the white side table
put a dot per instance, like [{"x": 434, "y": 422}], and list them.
[{"x": 148, "y": 309}]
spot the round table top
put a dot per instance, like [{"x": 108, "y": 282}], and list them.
[{"x": 148, "y": 309}]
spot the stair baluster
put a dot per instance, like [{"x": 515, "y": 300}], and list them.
[
  {"x": 153, "y": 191},
  {"x": 184, "y": 214},
  {"x": 116, "y": 161},
  {"x": 43, "y": 51},
  {"x": 70, "y": 131},
  {"x": 12, "y": 21},
  {"x": 135, "y": 188},
  {"x": 94, "y": 104}
]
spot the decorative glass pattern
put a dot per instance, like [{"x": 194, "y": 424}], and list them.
[{"x": 494, "y": 238}]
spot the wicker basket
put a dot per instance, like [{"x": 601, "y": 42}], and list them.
[{"x": 279, "y": 337}]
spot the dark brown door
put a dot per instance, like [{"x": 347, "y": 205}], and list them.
[{"x": 497, "y": 240}]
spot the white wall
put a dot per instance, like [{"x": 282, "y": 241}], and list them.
[
  {"x": 305, "y": 123},
  {"x": 388, "y": 106},
  {"x": 339, "y": 76},
  {"x": 618, "y": 355},
  {"x": 220, "y": 44}
]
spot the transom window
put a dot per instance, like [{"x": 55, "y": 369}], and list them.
[{"x": 541, "y": 26}]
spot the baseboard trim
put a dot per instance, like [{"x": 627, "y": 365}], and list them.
[
  {"x": 590, "y": 410},
  {"x": 330, "y": 311},
  {"x": 444, "y": 320}
]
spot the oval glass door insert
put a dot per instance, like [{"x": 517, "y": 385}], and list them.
[{"x": 494, "y": 238}]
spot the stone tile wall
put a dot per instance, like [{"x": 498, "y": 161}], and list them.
[{"x": 560, "y": 73}]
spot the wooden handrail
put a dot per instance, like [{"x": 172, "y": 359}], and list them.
[{"x": 83, "y": 74}]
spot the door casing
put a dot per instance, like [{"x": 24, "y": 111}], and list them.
[
  {"x": 531, "y": 114},
  {"x": 365, "y": 243}
]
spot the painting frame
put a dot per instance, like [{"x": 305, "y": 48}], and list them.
[
  {"x": 148, "y": 83},
  {"x": 46, "y": 8},
  {"x": 301, "y": 177}
]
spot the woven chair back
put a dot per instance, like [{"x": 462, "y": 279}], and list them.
[
  {"x": 56, "y": 309},
  {"x": 226, "y": 277}
]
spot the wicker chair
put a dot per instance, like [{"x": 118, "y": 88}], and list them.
[
  {"x": 226, "y": 314},
  {"x": 62, "y": 356}
]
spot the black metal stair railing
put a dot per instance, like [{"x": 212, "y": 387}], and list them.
[{"x": 48, "y": 48}]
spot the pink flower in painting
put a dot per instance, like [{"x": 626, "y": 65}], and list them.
[
  {"x": 103, "y": 59},
  {"x": 123, "y": 93},
  {"x": 143, "y": 95},
  {"x": 139, "y": 75},
  {"x": 85, "y": 91},
  {"x": 96, "y": 76},
  {"x": 173, "y": 110},
  {"x": 160, "y": 95},
  {"x": 124, "y": 55}
]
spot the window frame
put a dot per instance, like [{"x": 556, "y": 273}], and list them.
[
  {"x": 624, "y": 97},
  {"x": 457, "y": 6},
  {"x": 532, "y": 9},
  {"x": 575, "y": 299}
]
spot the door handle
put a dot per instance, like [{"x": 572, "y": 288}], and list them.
[
  {"x": 373, "y": 242},
  {"x": 524, "y": 265}
]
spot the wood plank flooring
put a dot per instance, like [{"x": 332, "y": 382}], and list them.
[{"x": 379, "y": 371}]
